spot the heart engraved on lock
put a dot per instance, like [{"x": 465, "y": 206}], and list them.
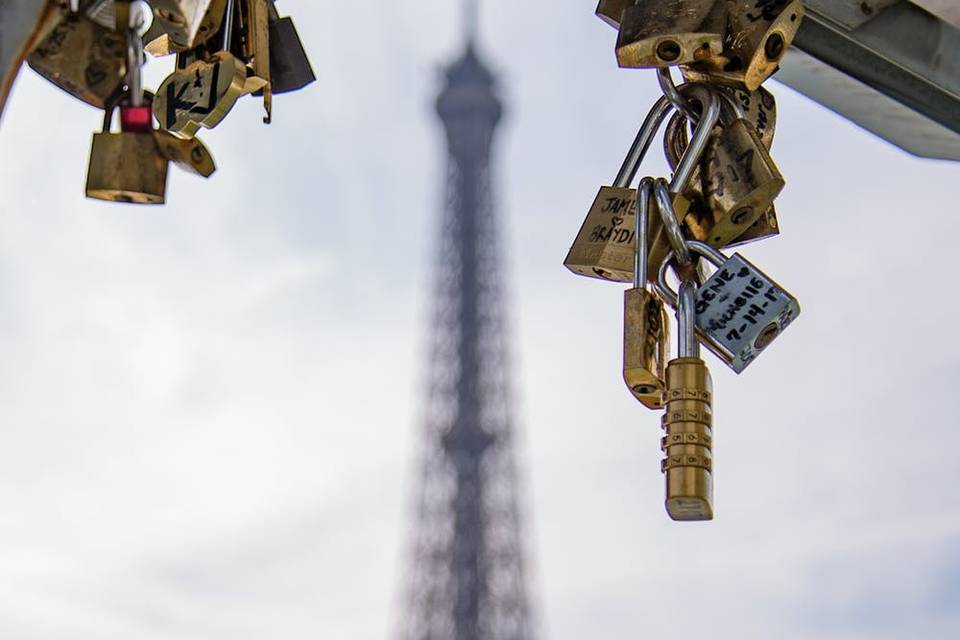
[{"x": 202, "y": 94}]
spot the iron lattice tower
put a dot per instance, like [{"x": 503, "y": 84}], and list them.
[{"x": 467, "y": 580}]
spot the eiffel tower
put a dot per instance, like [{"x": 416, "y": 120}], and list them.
[{"x": 467, "y": 576}]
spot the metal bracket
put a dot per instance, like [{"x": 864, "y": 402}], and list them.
[{"x": 890, "y": 66}]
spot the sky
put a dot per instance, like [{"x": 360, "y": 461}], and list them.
[{"x": 210, "y": 409}]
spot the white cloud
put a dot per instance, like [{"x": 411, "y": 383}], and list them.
[{"x": 209, "y": 409}]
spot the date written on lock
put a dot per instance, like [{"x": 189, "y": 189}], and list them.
[{"x": 740, "y": 311}]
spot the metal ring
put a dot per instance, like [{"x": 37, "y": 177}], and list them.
[
  {"x": 670, "y": 223},
  {"x": 644, "y": 191}
]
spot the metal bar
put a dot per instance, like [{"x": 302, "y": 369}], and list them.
[{"x": 895, "y": 73}]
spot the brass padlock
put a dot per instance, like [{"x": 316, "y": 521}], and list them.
[
  {"x": 126, "y": 166},
  {"x": 205, "y": 87},
  {"x": 759, "y": 109},
  {"x": 736, "y": 184},
  {"x": 185, "y": 23},
  {"x": 604, "y": 246},
  {"x": 688, "y": 422},
  {"x": 740, "y": 181},
  {"x": 82, "y": 58},
  {"x": 289, "y": 65},
  {"x": 646, "y": 332},
  {"x": 758, "y": 35},
  {"x": 657, "y": 33}
]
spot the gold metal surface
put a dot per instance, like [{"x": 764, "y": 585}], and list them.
[
  {"x": 83, "y": 58},
  {"x": 259, "y": 57},
  {"x": 758, "y": 35},
  {"x": 605, "y": 245},
  {"x": 766, "y": 226},
  {"x": 200, "y": 95},
  {"x": 656, "y": 33},
  {"x": 126, "y": 167},
  {"x": 189, "y": 154},
  {"x": 646, "y": 339},
  {"x": 186, "y": 23},
  {"x": 739, "y": 182},
  {"x": 688, "y": 443}
]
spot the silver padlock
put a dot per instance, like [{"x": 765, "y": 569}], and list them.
[{"x": 740, "y": 310}]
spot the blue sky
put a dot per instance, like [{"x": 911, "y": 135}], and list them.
[{"x": 210, "y": 410}]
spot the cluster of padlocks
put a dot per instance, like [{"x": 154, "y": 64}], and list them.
[
  {"x": 721, "y": 195},
  {"x": 224, "y": 49}
]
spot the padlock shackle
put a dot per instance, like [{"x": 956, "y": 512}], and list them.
[
  {"x": 670, "y": 223},
  {"x": 701, "y": 136},
  {"x": 650, "y": 127},
  {"x": 663, "y": 289},
  {"x": 641, "y": 144},
  {"x": 673, "y": 94},
  {"x": 642, "y": 219},
  {"x": 687, "y": 344}
]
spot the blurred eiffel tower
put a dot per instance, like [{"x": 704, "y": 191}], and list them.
[{"x": 467, "y": 576}]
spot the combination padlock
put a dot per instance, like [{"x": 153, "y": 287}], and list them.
[
  {"x": 688, "y": 422},
  {"x": 739, "y": 310},
  {"x": 657, "y": 33},
  {"x": 646, "y": 333}
]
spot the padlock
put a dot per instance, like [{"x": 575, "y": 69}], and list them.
[
  {"x": 758, "y": 35},
  {"x": 289, "y": 65},
  {"x": 611, "y": 11},
  {"x": 604, "y": 246},
  {"x": 83, "y": 58},
  {"x": 740, "y": 310},
  {"x": 127, "y": 166},
  {"x": 735, "y": 185},
  {"x": 759, "y": 109},
  {"x": 204, "y": 87},
  {"x": 656, "y": 33},
  {"x": 185, "y": 23},
  {"x": 646, "y": 332},
  {"x": 688, "y": 422}
]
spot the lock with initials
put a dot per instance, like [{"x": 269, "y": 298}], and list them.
[{"x": 740, "y": 310}]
